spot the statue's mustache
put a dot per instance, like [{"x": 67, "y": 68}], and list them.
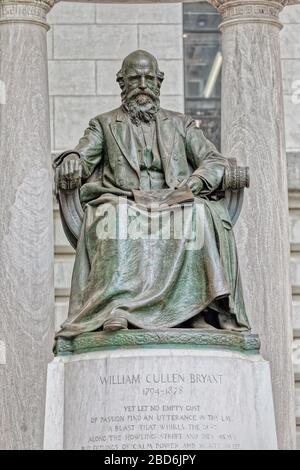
[
  {"x": 141, "y": 104},
  {"x": 138, "y": 91}
]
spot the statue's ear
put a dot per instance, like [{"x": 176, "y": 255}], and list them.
[
  {"x": 160, "y": 77},
  {"x": 120, "y": 79}
]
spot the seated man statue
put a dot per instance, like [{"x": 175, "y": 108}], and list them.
[{"x": 159, "y": 166}]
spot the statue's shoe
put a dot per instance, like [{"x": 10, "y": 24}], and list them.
[
  {"x": 115, "y": 323},
  {"x": 200, "y": 323},
  {"x": 229, "y": 323}
]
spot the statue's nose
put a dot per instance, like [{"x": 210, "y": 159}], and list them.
[{"x": 142, "y": 82}]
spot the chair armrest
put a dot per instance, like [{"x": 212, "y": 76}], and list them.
[
  {"x": 70, "y": 208},
  {"x": 236, "y": 177}
]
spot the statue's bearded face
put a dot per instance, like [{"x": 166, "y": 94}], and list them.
[{"x": 140, "y": 87}]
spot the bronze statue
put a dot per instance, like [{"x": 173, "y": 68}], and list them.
[{"x": 158, "y": 164}]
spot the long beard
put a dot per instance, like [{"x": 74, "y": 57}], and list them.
[{"x": 141, "y": 107}]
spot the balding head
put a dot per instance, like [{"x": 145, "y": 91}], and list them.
[
  {"x": 139, "y": 61},
  {"x": 140, "y": 80}
]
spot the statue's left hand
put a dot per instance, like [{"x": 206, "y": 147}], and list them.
[{"x": 195, "y": 184}]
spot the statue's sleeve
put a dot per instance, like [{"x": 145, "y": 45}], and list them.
[
  {"x": 90, "y": 147},
  {"x": 207, "y": 162}
]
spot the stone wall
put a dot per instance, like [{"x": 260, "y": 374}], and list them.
[{"x": 86, "y": 45}]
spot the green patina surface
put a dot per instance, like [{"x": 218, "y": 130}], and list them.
[
  {"x": 172, "y": 338},
  {"x": 136, "y": 153}
]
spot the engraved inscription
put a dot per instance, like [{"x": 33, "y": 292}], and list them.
[
  {"x": 161, "y": 427},
  {"x": 164, "y": 414}
]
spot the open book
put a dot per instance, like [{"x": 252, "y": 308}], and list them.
[{"x": 163, "y": 197}]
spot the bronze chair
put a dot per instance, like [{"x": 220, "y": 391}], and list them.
[{"x": 236, "y": 178}]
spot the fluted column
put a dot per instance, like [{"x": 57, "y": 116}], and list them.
[
  {"x": 253, "y": 132},
  {"x": 26, "y": 244}
]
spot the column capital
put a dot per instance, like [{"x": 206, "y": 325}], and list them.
[
  {"x": 25, "y": 11},
  {"x": 249, "y": 11}
]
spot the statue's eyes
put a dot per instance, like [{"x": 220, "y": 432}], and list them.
[
  {"x": 134, "y": 79},
  {"x": 138, "y": 77}
]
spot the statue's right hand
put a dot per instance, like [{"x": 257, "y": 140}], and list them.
[{"x": 70, "y": 173}]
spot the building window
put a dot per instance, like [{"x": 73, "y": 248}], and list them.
[{"x": 202, "y": 67}]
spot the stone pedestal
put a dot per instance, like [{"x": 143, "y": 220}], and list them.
[{"x": 160, "y": 399}]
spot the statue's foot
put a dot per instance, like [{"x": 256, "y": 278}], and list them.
[
  {"x": 115, "y": 324},
  {"x": 199, "y": 322},
  {"x": 229, "y": 323}
]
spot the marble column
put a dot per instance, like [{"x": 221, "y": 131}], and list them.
[
  {"x": 253, "y": 132},
  {"x": 26, "y": 242}
]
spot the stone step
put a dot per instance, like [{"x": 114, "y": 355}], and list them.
[
  {"x": 294, "y": 198},
  {"x": 295, "y": 229},
  {"x": 297, "y": 396},
  {"x": 61, "y": 311},
  {"x": 63, "y": 267},
  {"x": 296, "y": 316},
  {"x": 295, "y": 272},
  {"x": 296, "y": 358}
]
